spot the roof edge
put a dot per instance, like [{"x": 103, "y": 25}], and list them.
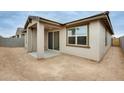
[{"x": 103, "y": 13}]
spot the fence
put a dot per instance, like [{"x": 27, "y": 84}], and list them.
[
  {"x": 122, "y": 43},
  {"x": 12, "y": 42}
]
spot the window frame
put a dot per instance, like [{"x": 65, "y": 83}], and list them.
[{"x": 76, "y": 36}]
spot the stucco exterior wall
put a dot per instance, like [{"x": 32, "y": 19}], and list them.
[
  {"x": 34, "y": 40},
  {"x": 89, "y": 53},
  {"x": 102, "y": 47},
  {"x": 29, "y": 40},
  {"x": 25, "y": 42},
  {"x": 46, "y": 40},
  {"x": 29, "y": 36},
  {"x": 40, "y": 40}
]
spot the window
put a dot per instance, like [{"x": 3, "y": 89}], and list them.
[
  {"x": 78, "y": 35},
  {"x": 105, "y": 38},
  {"x": 71, "y": 32},
  {"x": 71, "y": 40},
  {"x": 81, "y": 40}
]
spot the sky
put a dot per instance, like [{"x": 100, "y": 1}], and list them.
[{"x": 10, "y": 20}]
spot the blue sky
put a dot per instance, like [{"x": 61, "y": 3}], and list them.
[{"x": 10, "y": 20}]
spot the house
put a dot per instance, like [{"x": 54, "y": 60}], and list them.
[
  {"x": 14, "y": 36},
  {"x": 1, "y": 36},
  {"x": 19, "y": 33},
  {"x": 88, "y": 38}
]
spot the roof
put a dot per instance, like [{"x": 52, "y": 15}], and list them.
[
  {"x": 103, "y": 17},
  {"x": 41, "y": 19}
]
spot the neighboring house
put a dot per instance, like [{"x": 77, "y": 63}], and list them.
[
  {"x": 19, "y": 33},
  {"x": 1, "y": 37},
  {"x": 14, "y": 36},
  {"x": 88, "y": 38}
]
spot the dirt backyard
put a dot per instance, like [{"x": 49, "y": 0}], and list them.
[{"x": 16, "y": 64}]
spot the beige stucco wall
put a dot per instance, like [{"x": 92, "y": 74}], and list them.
[
  {"x": 97, "y": 48},
  {"x": 46, "y": 40},
  {"x": 40, "y": 40},
  {"x": 28, "y": 36},
  {"x": 102, "y": 48},
  {"x": 25, "y": 44},
  {"x": 90, "y": 53},
  {"x": 29, "y": 40},
  {"x": 34, "y": 40}
]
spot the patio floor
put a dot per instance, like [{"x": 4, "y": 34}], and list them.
[
  {"x": 47, "y": 54},
  {"x": 16, "y": 64}
]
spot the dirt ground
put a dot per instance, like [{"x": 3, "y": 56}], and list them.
[{"x": 16, "y": 64}]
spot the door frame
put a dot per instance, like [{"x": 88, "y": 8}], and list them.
[{"x": 53, "y": 40}]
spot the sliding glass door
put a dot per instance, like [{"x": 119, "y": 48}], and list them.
[
  {"x": 53, "y": 40},
  {"x": 50, "y": 40},
  {"x": 56, "y": 40}
]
